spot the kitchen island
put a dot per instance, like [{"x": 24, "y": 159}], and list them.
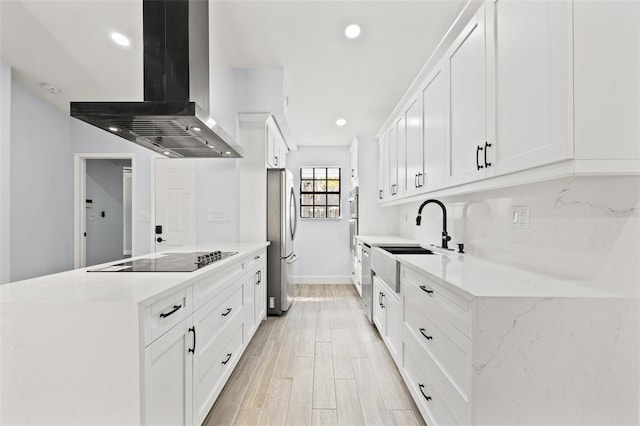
[{"x": 125, "y": 348}]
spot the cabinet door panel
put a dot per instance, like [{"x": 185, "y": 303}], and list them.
[
  {"x": 383, "y": 174},
  {"x": 434, "y": 121},
  {"x": 260, "y": 299},
  {"x": 394, "y": 325},
  {"x": 379, "y": 314},
  {"x": 168, "y": 378},
  {"x": 413, "y": 122},
  {"x": 533, "y": 77},
  {"x": 392, "y": 156},
  {"x": 401, "y": 172},
  {"x": 467, "y": 72}
]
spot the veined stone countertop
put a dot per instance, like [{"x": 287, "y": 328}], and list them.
[
  {"x": 78, "y": 285},
  {"x": 482, "y": 277}
]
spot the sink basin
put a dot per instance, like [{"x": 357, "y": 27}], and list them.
[{"x": 406, "y": 250}]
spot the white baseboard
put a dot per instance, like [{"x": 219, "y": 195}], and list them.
[{"x": 322, "y": 279}]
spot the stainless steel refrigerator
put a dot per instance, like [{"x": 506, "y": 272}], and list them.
[{"x": 282, "y": 220}]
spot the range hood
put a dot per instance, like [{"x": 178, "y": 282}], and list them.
[{"x": 173, "y": 120}]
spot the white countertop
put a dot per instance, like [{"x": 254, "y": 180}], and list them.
[
  {"x": 485, "y": 278},
  {"x": 379, "y": 240},
  {"x": 78, "y": 285}
]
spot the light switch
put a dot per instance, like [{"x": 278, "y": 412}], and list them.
[{"x": 520, "y": 217}]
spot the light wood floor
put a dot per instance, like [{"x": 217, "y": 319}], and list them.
[{"x": 322, "y": 363}]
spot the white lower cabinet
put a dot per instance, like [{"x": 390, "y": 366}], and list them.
[
  {"x": 186, "y": 367},
  {"x": 387, "y": 316},
  {"x": 168, "y": 387}
]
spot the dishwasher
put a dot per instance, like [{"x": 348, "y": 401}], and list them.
[{"x": 367, "y": 283}]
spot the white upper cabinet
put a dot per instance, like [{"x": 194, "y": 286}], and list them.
[
  {"x": 533, "y": 62},
  {"x": 434, "y": 116},
  {"x": 383, "y": 171},
  {"x": 469, "y": 139},
  {"x": 413, "y": 123},
  {"x": 276, "y": 152},
  {"x": 520, "y": 91},
  {"x": 353, "y": 151}
]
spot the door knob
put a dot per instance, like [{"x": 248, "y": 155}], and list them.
[{"x": 159, "y": 239}]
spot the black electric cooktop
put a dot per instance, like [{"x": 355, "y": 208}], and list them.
[{"x": 169, "y": 262}]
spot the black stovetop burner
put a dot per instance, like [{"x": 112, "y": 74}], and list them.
[{"x": 169, "y": 262}]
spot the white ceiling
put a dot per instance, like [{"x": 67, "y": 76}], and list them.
[{"x": 66, "y": 43}]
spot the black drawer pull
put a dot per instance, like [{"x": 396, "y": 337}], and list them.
[
  {"x": 256, "y": 257},
  {"x": 421, "y": 386},
  {"x": 193, "y": 330},
  {"x": 228, "y": 312},
  {"x": 226, "y": 360},
  {"x": 478, "y": 165},
  {"x": 425, "y": 289},
  {"x": 487, "y": 145},
  {"x": 171, "y": 312},
  {"x": 422, "y": 330}
]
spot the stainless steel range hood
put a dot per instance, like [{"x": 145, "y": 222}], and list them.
[{"x": 173, "y": 119}]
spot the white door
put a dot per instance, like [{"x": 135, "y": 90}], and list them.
[{"x": 175, "y": 209}]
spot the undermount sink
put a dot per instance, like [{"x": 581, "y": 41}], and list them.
[{"x": 407, "y": 250}]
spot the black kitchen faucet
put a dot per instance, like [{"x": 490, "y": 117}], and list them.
[{"x": 445, "y": 237}]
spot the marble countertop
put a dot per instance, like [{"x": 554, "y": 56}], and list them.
[
  {"x": 379, "y": 240},
  {"x": 483, "y": 277},
  {"x": 78, "y": 285},
  {"x": 486, "y": 278}
]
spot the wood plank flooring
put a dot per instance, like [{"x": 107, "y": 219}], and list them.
[{"x": 321, "y": 363}]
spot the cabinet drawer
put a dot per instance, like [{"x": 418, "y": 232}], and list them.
[
  {"x": 447, "y": 405},
  {"x": 217, "y": 313},
  {"x": 435, "y": 297},
  {"x": 448, "y": 346},
  {"x": 162, "y": 315},
  {"x": 213, "y": 366},
  {"x": 256, "y": 260},
  {"x": 210, "y": 286}
]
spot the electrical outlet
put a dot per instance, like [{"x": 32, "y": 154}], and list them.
[{"x": 520, "y": 217}]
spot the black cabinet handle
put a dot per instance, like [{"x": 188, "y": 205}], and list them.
[
  {"x": 420, "y": 180},
  {"x": 256, "y": 257},
  {"x": 425, "y": 289},
  {"x": 193, "y": 330},
  {"x": 478, "y": 165},
  {"x": 227, "y": 312},
  {"x": 226, "y": 360},
  {"x": 353, "y": 173},
  {"x": 383, "y": 296},
  {"x": 487, "y": 145},
  {"x": 422, "y": 330},
  {"x": 421, "y": 386},
  {"x": 276, "y": 160},
  {"x": 171, "y": 312}
]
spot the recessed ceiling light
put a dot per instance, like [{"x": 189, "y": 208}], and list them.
[
  {"x": 227, "y": 152},
  {"x": 114, "y": 129},
  {"x": 341, "y": 122},
  {"x": 352, "y": 31},
  {"x": 49, "y": 88},
  {"x": 166, "y": 153},
  {"x": 120, "y": 39},
  {"x": 197, "y": 129},
  {"x": 211, "y": 122}
]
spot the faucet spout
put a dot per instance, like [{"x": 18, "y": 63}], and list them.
[{"x": 445, "y": 237}]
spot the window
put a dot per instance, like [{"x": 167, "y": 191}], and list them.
[{"x": 320, "y": 192}]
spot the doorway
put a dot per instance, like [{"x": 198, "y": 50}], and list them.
[{"x": 104, "y": 203}]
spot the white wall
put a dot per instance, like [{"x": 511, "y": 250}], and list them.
[
  {"x": 322, "y": 245},
  {"x": 104, "y": 186},
  {"x": 41, "y": 200},
  {"x": 216, "y": 191},
  {"x": 586, "y": 227},
  {"x": 5, "y": 163}
]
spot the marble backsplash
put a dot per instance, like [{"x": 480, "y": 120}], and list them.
[{"x": 585, "y": 227}]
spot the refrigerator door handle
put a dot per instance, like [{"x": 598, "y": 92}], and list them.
[
  {"x": 292, "y": 259},
  {"x": 293, "y": 224}
]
